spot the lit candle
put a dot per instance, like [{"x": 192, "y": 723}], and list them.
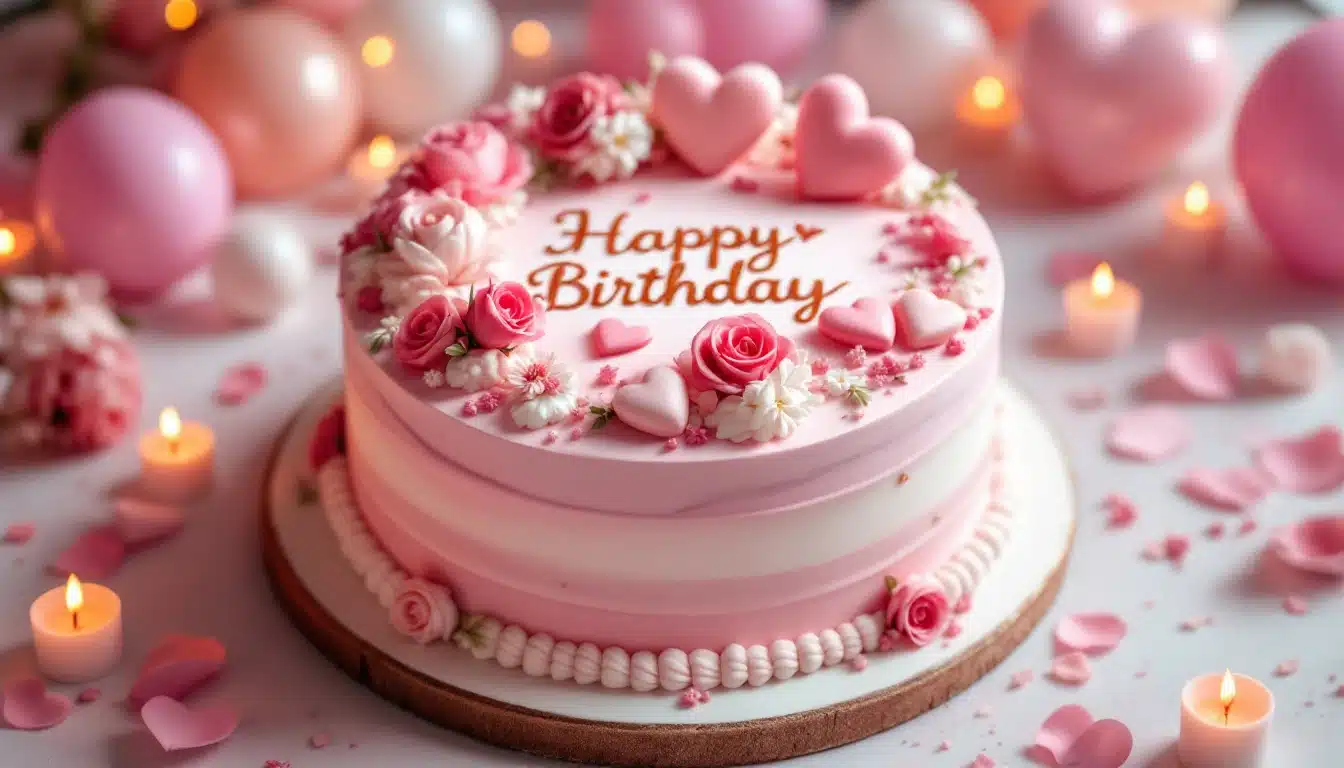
[
  {"x": 1224, "y": 722},
  {"x": 989, "y": 109},
  {"x": 1195, "y": 227},
  {"x": 532, "y": 62},
  {"x": 76, "y": 631},
  {"x": 177, "y": 459},
  {"x": 371, "y": 166},
  {"x": 17, "y": 241},
  {"x": 1102, "y": 313}
]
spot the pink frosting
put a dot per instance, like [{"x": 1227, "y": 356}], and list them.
[{"x": 728, "y": 354}]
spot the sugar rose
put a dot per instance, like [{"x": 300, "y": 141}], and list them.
[
  {"x": 423, "y": 611},
  {"x": 470, "y": 160},
  {"x": 422, "y": 340},
  {"x": 729, "y": 353},
  {"x": 504, "y": 315},
  {"x": 918, "y": 610},
  {"x": 560, "y": 127}
]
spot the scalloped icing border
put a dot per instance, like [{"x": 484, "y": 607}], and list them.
[{"x": 540, "y": 655}]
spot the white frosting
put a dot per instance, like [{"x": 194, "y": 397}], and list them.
[
  {"x": 784, "y": 656},
  {"x": 587, "y": 664},
  {"x": 851, "y": 640},
  {"x": 562, "y": 661},
  {"x": 615, "y": 668},
  {"x": 477, "y": 370},
  {"x": 509, "y": 652},
  {"x": 832, "y": 648},
  {"x": 537, "y": 655},
  {"x": 870, "y": 630},
  {"x": 674, "y": 669},
  {"x": 810, "y": 654},
  {"x": 704, "y": 669},
  {"x": 759, "y": 669},
  {"x": 644, "y": 671},
  {"x": 733, "y": 666},
  {"x": 487, "y": 638}
]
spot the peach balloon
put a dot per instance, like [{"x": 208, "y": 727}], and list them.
[
  {"x": 1007, "y": 17},
  {"x": 1212, "y": 11},
  {"x": 281, "y": 94}
]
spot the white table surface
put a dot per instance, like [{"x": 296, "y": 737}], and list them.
[{"x": 210, "y": 581}]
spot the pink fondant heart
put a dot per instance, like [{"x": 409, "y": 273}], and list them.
[
  {"x": 659, "y": 405},
  {"x": 1310, "y": 464},
  {"x": 176, "y": 727},
  {"x": 870, "y": 324},
  {"x": 612, "y": 337},
  {"x": 1112, "y": 101},
  {"x": 711, "y": 120},
  {"x": 1315, "y": 545},
  {"x": 179, "y": 665},
  {"x": 842, "y": 153},
  {"x": 29, "y": 706},
  {"x": 1092, "y": 633},
  {"x": 926, "y": 320},
  {"x": 142, "y": 523}
]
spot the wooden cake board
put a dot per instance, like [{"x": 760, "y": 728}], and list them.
[{"x": 810, "y": 713}]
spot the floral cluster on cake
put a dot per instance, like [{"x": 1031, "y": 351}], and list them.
[{"x": 69, "y": 377}]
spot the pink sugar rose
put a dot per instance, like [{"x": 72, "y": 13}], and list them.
[
  {"x": 440, "y": 237},
  {"x": 561, "y": 126},
  {"x": 918, "y": 610},
  {"x": 328, "y": 440},
  {"x": 77, "y": 401},
  {"x": 505, "y": 315},
  {"x": 470, "y": 160},
  {"x": 374, "y": 230},
  {"x": 729, "y": 353},
  {"x": 423, "y": 611},
  {"x": 426, "y": 333}
]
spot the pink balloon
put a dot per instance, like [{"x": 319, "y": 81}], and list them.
[
  {"x": 281, "y": 93},
  {"x": 621, "y": 34},
  {"x": 135, "y": 187},
  {"x": 1289, "y": 155},
  {"x": 777, "y": 33},
  {"x": 332, "y": 13}
]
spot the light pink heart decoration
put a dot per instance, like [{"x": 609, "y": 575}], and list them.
[
  {"x": 870, "y": 324},
  {"x": 1112, "y": 101},
  {"x": 710, "y": 120},
  {"x": 1315, "y": 545},
  {"x": 1151, "y": 433},
  {"x": 1310, "y": 464},
  {"x": 927, "y": 321},
  {"x": 1092, "y": 633},
  {"x": 842, "y": 153},
  {"x": 95, "y": 555},
  {"x": 1070, "y": 737},
  {"x": 659, "y": 405},
  {"x": 1205, "y": 368},
  {"x": 142, "y": 523},
  {"x": 1231, "y": 490},
  {"x": 612, "y": 337},
  {"x": 178, "y": 666},
  {"x": 1071, "y": 668},
  {"x": 176, "y": 727},
  {"x": 240, "y": 383},
  {"x": 29, "y": 706}
]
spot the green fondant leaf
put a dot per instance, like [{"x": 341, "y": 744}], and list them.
[
  {"x": 859, "y": 395},
  {"x": 458, "y": 349}
]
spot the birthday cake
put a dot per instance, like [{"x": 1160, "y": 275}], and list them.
[{"x": 669, "y": 386}]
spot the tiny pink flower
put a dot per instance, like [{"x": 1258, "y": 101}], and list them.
[
  {"x": 578, "y": 414},
  {"x": 955, "y": 346},
  {"x": 689, "y": 698},
  {"x": 963, "y": 604},
  {"x": 953, "y": 629},
  {"x": 916, "y": 362},
  {"x": 488, "y": 402},
  {"x": 820, "y": 366},
  {"x": 607, "y": 376},
  {"x": 1177, "y": 546},
  {"x": 972, "y": 322},
  {"x": 856, "y": 357},
  {"x": 550, "y": 438},
  {"x": 670, "y": 444},
  {"x": 469, "y": 409},
  {"x": 891, "y": 228},
  {"x": 883, "y": 257},
  {"x": 934, "y": 238},
  {"x": 423, "y": 611},
  {"x": 696, "y": 436},
  {"x": 985, "y": 312},
  {"x": 576, "y": 433}
]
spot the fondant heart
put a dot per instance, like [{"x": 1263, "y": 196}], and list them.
[
  {"x": 870, "y": 324},
  {"x": 711, "y": 120},
  {"x": 926, "y": 320},
  {"x": 176, "y": 727},
  {"x": 612, "y": 337},
  {"x": 1111, "y": 101},
  {"x": 659, "y": 405},
  {"x": 842, "y": 153}
]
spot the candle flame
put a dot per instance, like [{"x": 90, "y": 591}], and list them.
[
  {"x": 531, "y": 39},
  {"x": 1197, "y": 199},
  {"x": 1227, "y": 692},
  {"x": 8, "y": 242},
  {"x": 170, "y": 424},
  {"x": 74, "y": 594},
  {"x": 1103, "y": 281},
  {"x": 377, "y": 51},
  {"x": 179, "y": 15},
  {"x": 382, "y": 151},
  {"x": 989, "y": 93}
]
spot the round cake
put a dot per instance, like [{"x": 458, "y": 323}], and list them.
[{"x": 669, "y": 386}]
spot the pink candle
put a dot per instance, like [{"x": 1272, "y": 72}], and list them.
[
  {"x": 1194, "y": 229},
  {"x": 988, "y": 111},
  {"x": 177, "y": 461},
  {"x": 1102, "y": 313},
  {"x": 1224, "y": 722},
  {"x": 76, "y": 631}
]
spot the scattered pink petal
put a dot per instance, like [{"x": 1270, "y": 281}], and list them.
[
  {"x": 1150, "y": 433},
  {"x": 144, "y": 523},
  {"x": 1063, "y": 267},
  {"x": 689, "y": 698},
  {"x": 319, "y": 740},
  {"x": 1071, "y": 668},
  {"x": 1232, "y": 490},
  {"x": 1248, "y": 526},
  {"x": 1176, "y": 546},
  {"x": 1215, "y": 530},
  {"x": 1120, "y": 511},
  {"x": 1314, "y": 545},
  {"x": 982, "y": 761},
  {"x": 1286, "y": 668},
  {"x": 1339, "y": 692},
  {"x": 943, "y": 746},
  {"x": 276, "y": 764},
  {"x": 19, "y": 533},
  {"x": 1295, "y": 606},
  {"x": 95, "y": 555},
  {"x": 1060, "y": 730},
  {"x": 1195, "y": 623},
  {"x": 1070, "y": 737},
  {"x": 1094, "y": 634},
  {"x": 176, "y": 727},
  {"x": 1142, "y": 673},
  {"x": 1205, "y": 368},
  {"x": 1020, "y": 679},
  {"x": 963, "y": 604},
  {"x": 743, "y": 184},
  {"x": 1087, "y": 399},
  {"x": 953, "y": 629},
  {"x": 178, "y": 666},
  {"x": 239, "y": 383},
  {"x": 1310, "y": 464},
  {"x": 859, "y": 663},
  {"x": 642, "y": 198},
  {"x": 29, "y": 706},
  {"x": 89, "y": 695}
]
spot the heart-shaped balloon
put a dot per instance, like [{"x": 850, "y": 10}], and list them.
[
  {"x": 659, "y": 405},
  {"x": 842, "y": 153},
  {"x": 869, "y": 323},
  {"x": 926, "y": 320},
  {"x": 712, "y": 120},
  {"x": 1111, "y": 101}
]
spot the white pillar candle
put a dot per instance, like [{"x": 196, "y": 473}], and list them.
[
  {"x": 1102, "y": 313},
  {"x": 1224, "y": 722},
  {"x": 76, "y": 631},
  {"x": 177, "y": 461},
  {"x": 1194, "y": 229}
]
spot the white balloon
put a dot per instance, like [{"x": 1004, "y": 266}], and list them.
[
  {"x": 445, "y": 55},
  {"x": 261, "y": 268},
  {"x": 914, "y": 58}
]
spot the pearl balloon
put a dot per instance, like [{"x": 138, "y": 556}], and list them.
[
  {"x": 914, "y": 57},
  {"x": 261, "y": 268},
  {"x": 621, "y": 34},
  {"x": 332, "y": 13},
  {"x": 1288, "y": 153},
  {"x": 424, "y": 61},
  {"x": 280, "y": 91},
  {"x": 777, "y": 33},
  {"x": 134, "y": 187}
]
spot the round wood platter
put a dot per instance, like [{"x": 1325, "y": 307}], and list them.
[{"x": 671, "y": 737}]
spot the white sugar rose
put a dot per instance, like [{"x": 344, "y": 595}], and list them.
[{"x": 438, "y": 243}]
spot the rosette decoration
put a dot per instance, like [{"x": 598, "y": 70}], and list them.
[{"x": 69, "y": 378}]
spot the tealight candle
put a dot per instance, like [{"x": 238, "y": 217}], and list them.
[
  {"x": 76, "y": 631},
  {"x": 989, "y": 110},
  {"x": 1102, "y": 313},
  {"x": 1224, "y": 722},
  {"x": 17, "y": 241},
  {"x": 177, "y": 459},
  {"x": 1195, "y": 227},
  {"x": 533, "y": 61},
  {"x": 371, "y": 166}
]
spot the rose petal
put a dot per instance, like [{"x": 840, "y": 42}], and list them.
[
  {"x": 982, "y": 761},
  {"x": 1232, "y": 490},
  {"x": 1106, "y": 744},
  {"x": 95, "y": 555},
  {"x": 176, "y": 727},
  {"x": 1286, "y": 668},
  {"x": 1151, "y": 433},
  {"x": 29, "y": 706},
  {"x": 1176, "y": 546},
  {"x": 1314, "y": 545},
  {"x": 1205, "y": 368},
  {"x": 1020, "y": 679},
  {"x": 1295, "y": 606},
  {"x": 239, "y": 383},
  {"x": 1094, "y": 634},
  {"x": 1195, "y": 623},
  {"x": 319, "y": 740},
  {"x": 1071, "y": 668},
  {"x": 1313, "y": 463},
  {"x": 1247, "y": 526},
  {"x": 144, "y": 523},
  {"x": 19, "y": 533},
  {"x": 1063, "y": 267},
  {"x": 89, "y": 695},
  {"x": 1061, "y": 729},
  {"x": 178, "y": 666}
]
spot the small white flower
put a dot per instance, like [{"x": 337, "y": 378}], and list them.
[
  {"x": 523, "y": 102},
  {"x": 382, "y": 336},
  {"x": 542, "y": 389},
  {"x": 839, "y": 381},
  {"x": 767, "y": 410},
  {"x": 919, "y": 277},
  {"x": 620, "y": 143},
  {"x": 58, "y": 312},
  {"x": 969, "y": 292},
  {"x": 434, "y": 378}
]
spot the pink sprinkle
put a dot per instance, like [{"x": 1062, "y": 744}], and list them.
[
  {"x": 856, "y": 415},
  {"x": 1286, "y": 668},
  {"x": 1121, "y": 512},
  {"x": 743, "y": 184},
  {"x": 670, "y": 444},
  {"x": 576, "y": 433},
  {"x": 642, "y": 198},
  {"x": 982, "y": 761},
  {"x": 689, "y": 698},
  {"x": 820, "y": 366},
  {"x": 1020, "y": 679},
  {"x": 488, "y": 402},
  {"x": 1196, "y": 623},
  {"x": 955, "y": 346},
  {"x": 1177, "y": 546},
  {"x": 916, "y": 362},
  {"x": 984, "y": 712},
  {"x": 468, "y": 409},
  {"x": 319, "y": 740},
  {"x": 704, "y": 697},
  {"x": 953, "y": 629},
  {"x": 19, "y": 533},
  {"x": 550, "y": 438},
  {"x": 89, "y": 695},
  {"x": 1247, "y": 526},
  {"x": 891, "y": 228},
  {"x": 985, "y": 312},
  {"x": 1152, "y": 551},
  {"x": 1142, "y": 673},
  {"x": 608, "y": 375},
  {"x": 883, "y": 257},
  {"x": 972, "y": 322},
  {"x": 964, "y": 602},
  {"x": 856, "y": 357},
  {"x": 1295, "y": 606},
  {"x": 858, "y": 663},
  {"x": 1215, "y": 530},
  {"x": 696, "y": 436}
]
